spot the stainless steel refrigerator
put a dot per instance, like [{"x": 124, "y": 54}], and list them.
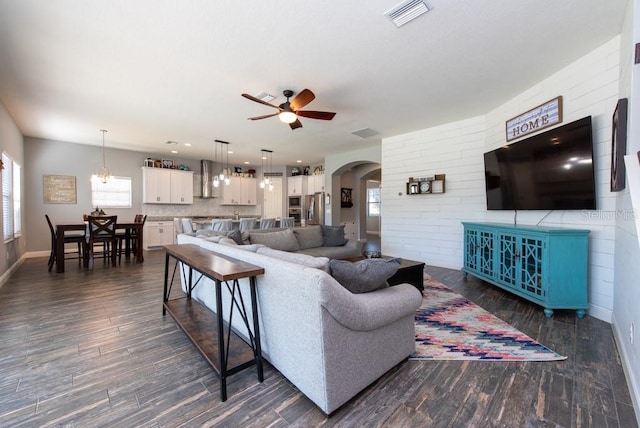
[{"x": 314, "y": 208}]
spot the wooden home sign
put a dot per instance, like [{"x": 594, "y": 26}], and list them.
[
  {"x": 534, "y": 120},
  {"x": 59, "y": 189}
]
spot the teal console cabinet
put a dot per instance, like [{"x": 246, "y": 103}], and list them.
[{"x": 547, "y": 266}]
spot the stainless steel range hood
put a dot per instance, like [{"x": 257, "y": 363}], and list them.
[{"x": 206, "y": 168}]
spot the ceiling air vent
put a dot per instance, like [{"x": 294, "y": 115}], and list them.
[
  {"x": 406, "y": 11},
  {"x": 365, "y": 133},
  {"x": 264, "y": 96}
]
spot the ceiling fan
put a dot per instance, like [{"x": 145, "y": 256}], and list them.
[{"x": 289, "y": 111}]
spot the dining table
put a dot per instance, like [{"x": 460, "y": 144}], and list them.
[{"x": 128, "y": 227}]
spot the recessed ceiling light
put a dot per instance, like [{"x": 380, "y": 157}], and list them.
[
  {"x": 299, "y": 161},
  {"x": 174, "y": 151},
  {"x": 406, "y": 12},
  {"x": 246, "y": 162},
  {"x": 187, "y": 144}
]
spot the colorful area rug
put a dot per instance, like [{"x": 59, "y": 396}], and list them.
[{"x": 451, "y": 327}]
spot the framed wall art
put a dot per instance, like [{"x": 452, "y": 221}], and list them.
[
  {"x": 618, "y": 145},
  {"x": 59, "y": 189},
  {"x": 345, "y": 198}
]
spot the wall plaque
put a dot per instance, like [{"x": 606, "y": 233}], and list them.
[
  {"x": 59, "y": 189},
  {"x": 534, "y": 120}
]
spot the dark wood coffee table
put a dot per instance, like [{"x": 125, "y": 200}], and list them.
[{"x": 410, "y": 272}]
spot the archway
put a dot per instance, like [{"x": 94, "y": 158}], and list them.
[{"x": 354, "y": 176}]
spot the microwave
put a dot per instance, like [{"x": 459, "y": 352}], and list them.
[{"x": 295, "y": 201}]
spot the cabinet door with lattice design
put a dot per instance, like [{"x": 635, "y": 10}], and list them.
[
  {"x": 479, "y": 251},
  {"x": 531, "y": 272}
]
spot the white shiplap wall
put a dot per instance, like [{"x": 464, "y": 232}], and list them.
[{"x": 427, "y": 227}]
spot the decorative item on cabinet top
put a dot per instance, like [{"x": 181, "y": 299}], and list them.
[{"x": 431, "y": 184}]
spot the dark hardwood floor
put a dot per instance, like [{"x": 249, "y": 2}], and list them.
[{"x": 91, "y": 348}]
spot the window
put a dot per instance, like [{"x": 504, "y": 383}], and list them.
[
  {"x": 373, "y": 202},
  {"x": 116, "y": 193},
  {"x": 11, "y": 200}
]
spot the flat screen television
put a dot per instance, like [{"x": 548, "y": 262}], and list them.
[{"x": 550, "y": 171}]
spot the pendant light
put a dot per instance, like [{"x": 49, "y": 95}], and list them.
[
  {"x": 222, "y": 176},
  {"x": 270, "y": 170},
  {"x": 216, "y": 181},
  {"x": 103, "y": 175},
  {"x": 263, "y": 157},
  {"x": 266, "y": 155}
]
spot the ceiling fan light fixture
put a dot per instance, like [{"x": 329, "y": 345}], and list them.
[{"x": 287, "y": 116}]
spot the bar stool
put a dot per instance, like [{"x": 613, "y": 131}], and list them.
[
  {"x": 247, "y": 224},
  {"x": 267, "y": 223},
  {"x": 225, "y": 225},
  {"x": 287, "y": 222}
]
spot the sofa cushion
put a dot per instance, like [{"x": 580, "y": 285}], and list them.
[
  {"x": 201, "y": 233},
  {"x": 333, "y": 236},
  {"x": 321, "y": 263},
  {"x": 247, "y": 247},
  {"x": 284, "y": 240},
  {"x": 308, "y": 237},
  {"x": 365, "y": 275}
]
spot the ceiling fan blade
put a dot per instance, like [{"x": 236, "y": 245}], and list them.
[
  {"x": 258, "y": 100},
  {"x": 263, "y": 117},
  {"x": 323, "y": 115},
  {"x": 295, "y": 124},
  {"x": 302, "y": 99}
]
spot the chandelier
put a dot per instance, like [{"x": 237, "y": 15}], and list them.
[{"x": 103, "y": 175}]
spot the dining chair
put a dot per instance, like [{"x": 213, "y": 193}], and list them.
[
  {"x": 267, "y": 223},
  {"x": 247, "y": 224},
  {"x": 101, "y": 230},
  {"x": 70, "y": 238},
  {"x": 287, "y": 222},
  {"x": 224, "y": 225},
  {"x": 132, "y": 236}
]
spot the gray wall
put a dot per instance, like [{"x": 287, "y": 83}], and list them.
[{"x": 44, "y": 157}]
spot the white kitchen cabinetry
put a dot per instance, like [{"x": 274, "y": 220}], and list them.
[
  {"x": 167, "y": 186},
  {"x": 240, "y": 191},
  {"x": 315, "y": 184},
  {"x": 158, "y": 233},
  {"x": 181, "y": 187},
  {"x": 297, "y": 185}
]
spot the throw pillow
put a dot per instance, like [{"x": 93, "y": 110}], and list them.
[
  {"x": 365, "y": 275},
  {"x": 333, "y": 236},
  {"x": 283, "y": 240},
  {"x": 308, "y": 237},
  {"x": 236, "y": 236}
]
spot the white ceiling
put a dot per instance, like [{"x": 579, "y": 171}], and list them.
[{"x": 151, "y": 71}]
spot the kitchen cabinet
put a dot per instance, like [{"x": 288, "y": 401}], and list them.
[
  {"x": 158, "y": 233},
  {"x": 167, "y": 186},
  {"x": 181, "y": 187},
  {"x": 297, "y": 185},
  {"x": 315, "y": 184},
  {"x": 544, "y": 265},
  {"x": 240, "y": 191}
]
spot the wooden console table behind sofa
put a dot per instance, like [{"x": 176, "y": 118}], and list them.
[{"x": 207, "y": 330}]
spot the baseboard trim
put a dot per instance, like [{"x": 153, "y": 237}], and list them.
[
  {"x": 632, "y": 382},
  {"x": 601, "y": 313},
  {"x": 7, "y": 275}
]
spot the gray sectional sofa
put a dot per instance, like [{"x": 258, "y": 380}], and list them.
[
  {"x": 328, "y": 342},
  {"x": 317, "y": 241}
]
